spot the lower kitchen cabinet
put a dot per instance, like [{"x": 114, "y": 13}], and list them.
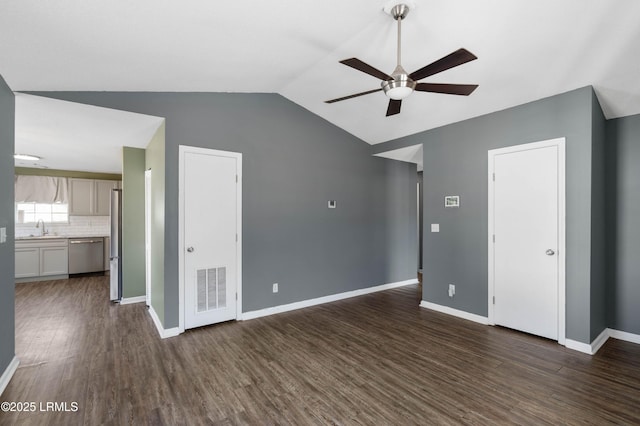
[
  {"x": 27, "y": 262},
  {"x": 41, "y": 258},
  {"x": 54, "y": 261}
]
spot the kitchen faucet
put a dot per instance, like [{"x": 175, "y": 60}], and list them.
[{"x": 43, "y": 231}]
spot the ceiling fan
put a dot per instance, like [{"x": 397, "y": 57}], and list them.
[{"x": 400, "y": 84}]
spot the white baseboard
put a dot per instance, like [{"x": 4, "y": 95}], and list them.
[
  {"x": 589, "y": 349},
  {"x": 623, "y": 335},
  {"x": 455, "y": 312},
  {"x": 320, "y": 300},
  {"x": 130, "y": 300},
  {"x": 607, "y": 333},
  {"x": 164, "y": 332},
  {"x": 600, "y": 340},
  {"x": 578, "y": 346},
  {"x": 8, "y": 373}
]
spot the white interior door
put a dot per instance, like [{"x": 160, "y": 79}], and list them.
[
  {"x": 527, "y": 192},
  {"x": 210, "y": 236}
]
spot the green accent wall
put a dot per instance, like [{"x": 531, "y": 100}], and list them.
[
  {"x": 154, "y": 160},
  {"x": 133, "y": 261},
  {"x": 66, "y": 173}
]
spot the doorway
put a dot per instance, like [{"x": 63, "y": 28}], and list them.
[
  {"x": 210, "y": 237},
  {"x": 526, "y": 238}
]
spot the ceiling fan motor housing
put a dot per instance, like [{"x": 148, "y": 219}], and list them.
[{"x": 401, "y": 86}]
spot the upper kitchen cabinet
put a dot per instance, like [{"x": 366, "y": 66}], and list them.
[
  {"x": 103, "y": 196},
  {"x": 90, "y": 197},
  {"x": 82, "y": 194}
]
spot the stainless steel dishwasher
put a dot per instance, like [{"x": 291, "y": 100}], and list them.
[{"x": 86, "y": 255}]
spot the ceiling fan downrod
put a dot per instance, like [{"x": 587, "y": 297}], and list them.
[
  {"x": 399, "y": 12},
  {"x": 401, "y": 85}
]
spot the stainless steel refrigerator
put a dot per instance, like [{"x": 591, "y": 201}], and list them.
[{"x": 115, "y": 267}]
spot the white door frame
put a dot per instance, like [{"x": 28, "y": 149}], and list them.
[
  {"x": 147, "y": 234},
  {"x": 182, "y": 150},
  {"x": 561, "y": 252}
]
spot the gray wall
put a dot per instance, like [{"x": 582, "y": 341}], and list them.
[
  {"x": 598, "y": 226},
  {"x": 293, "y": 163},
  {"x": 455, "y": 163},
  {"x": 623, "y": 223},
  {"x": 7, "y": 253}
]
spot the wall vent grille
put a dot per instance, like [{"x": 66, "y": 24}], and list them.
[{"x": 212, "y": 289}]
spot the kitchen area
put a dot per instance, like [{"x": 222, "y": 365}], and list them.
[
  {"x": 69, "y": 158},
  {"x": 63, "y": 224}
]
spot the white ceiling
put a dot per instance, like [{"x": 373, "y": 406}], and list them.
[
  {"x": 527, "y": 50},
  {"x": 409, "y": 154},
  {"x": 71, "y": 136}
]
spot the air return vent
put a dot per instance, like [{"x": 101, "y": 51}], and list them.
[{"x": 212, "y": 289}]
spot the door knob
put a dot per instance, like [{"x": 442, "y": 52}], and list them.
[
  {"x": 550, "y": 252},
  {"x": 190, "y": 249}
]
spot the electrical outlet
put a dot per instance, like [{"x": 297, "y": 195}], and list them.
[
  {"x": 275, "y": 287},
  {"x": 452, "y": 290}
]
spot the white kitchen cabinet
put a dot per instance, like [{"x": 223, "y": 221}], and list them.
[
  {"x": 90, "y": 197},
  {"x": 27, "y": 262},
  {"x": 54, "y": 261},
  {"x": 41, "y": 257},
  {"x": 81, "y": 196},
  {"x": 103, "y": 196}
]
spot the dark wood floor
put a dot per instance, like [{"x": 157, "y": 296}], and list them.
[{"x": 376, "y": 359}]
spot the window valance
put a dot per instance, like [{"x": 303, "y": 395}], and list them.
[{"x": 41, "y": 189}]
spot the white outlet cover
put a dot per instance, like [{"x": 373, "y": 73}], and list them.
[
  {"x": 275, "y": 287},
  {"x": 3, "y": 235},
  {"x": 435, "y": 227}
]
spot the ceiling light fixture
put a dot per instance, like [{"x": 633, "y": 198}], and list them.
[{"x": 26, "y": 157}]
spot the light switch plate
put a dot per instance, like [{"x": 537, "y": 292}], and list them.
[
  {"x": 435, "y": 227},
  {"x": 3, "y": 235}
]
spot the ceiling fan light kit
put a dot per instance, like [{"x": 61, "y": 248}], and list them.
[{"x": 401, "y": 84}]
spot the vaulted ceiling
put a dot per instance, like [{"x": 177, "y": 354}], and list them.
[{"x": 527, "y": 50}]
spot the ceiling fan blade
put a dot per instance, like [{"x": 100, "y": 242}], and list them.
[
  {"x": 365, "y": 68},
  {"x": 459, "y": 57},
  {"x": 355, "y": 95},
  {"x": 450, "y": 89},
  {"x": 394, "y": 107}
]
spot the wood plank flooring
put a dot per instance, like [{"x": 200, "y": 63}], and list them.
[{"x": 371, "y": 360}]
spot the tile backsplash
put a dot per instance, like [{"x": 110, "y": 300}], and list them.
[{"x": 78, "y": 226}]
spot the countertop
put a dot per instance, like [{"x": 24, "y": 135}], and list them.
[{"x": 53, "y": 237}]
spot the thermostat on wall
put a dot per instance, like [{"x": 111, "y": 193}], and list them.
[
  {"x": 452, "y": 201},
  {"x": 332, "y": 204}
]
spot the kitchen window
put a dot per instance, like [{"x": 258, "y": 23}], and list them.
[
  {"x": 43, "y": 198},
  {"x": 49, "y": 213}
]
